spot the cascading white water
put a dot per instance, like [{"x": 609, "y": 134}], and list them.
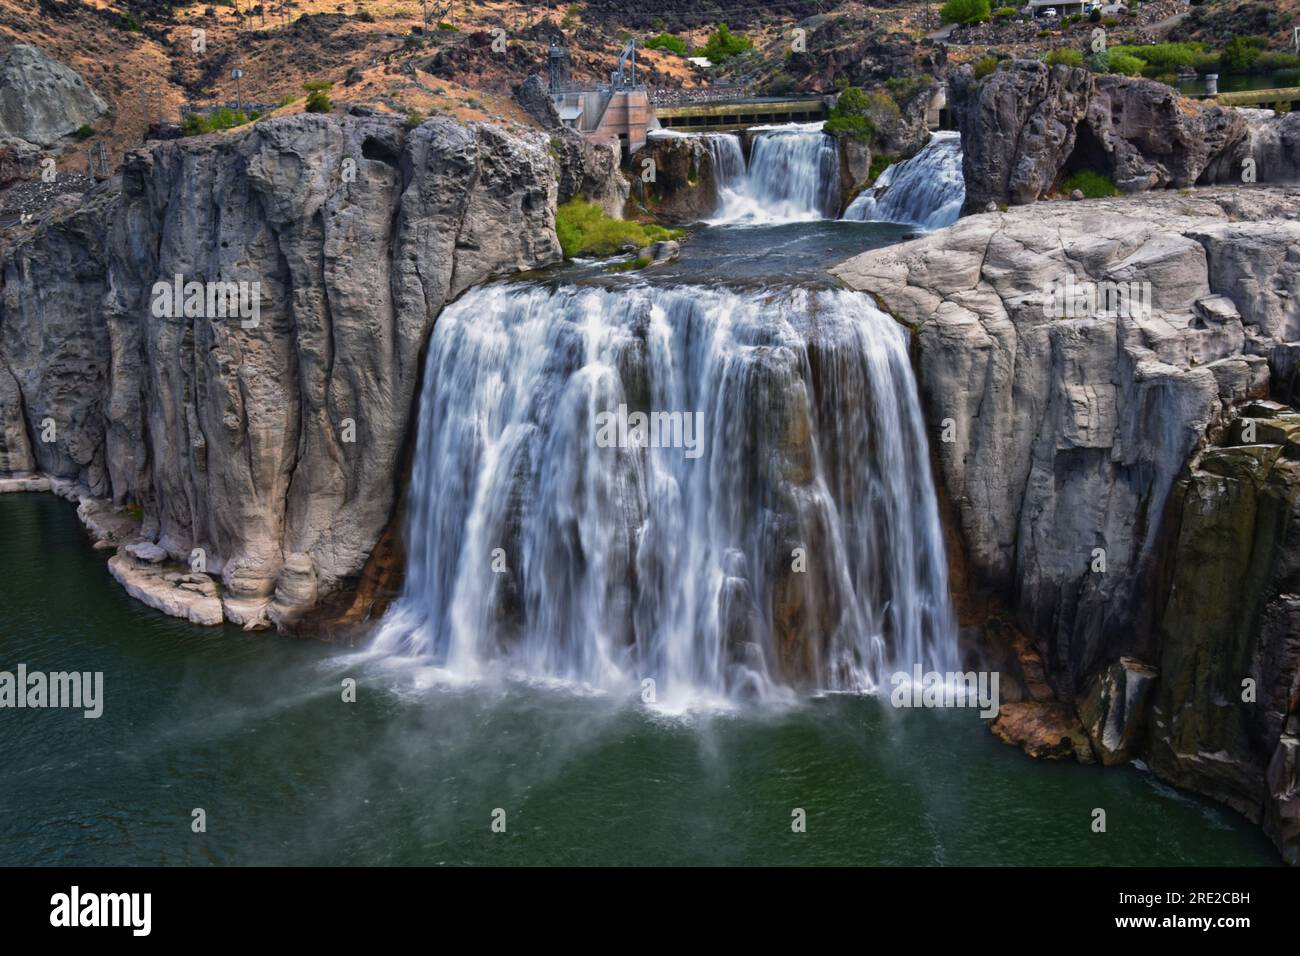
[
  {"x": 801, "y": 547},
  {"x": 728, "y": 160},
  {"x": 927, "y": 190},
  {"x": 792, "y": 176}
]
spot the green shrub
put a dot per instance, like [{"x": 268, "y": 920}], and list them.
[
  {"x": 985, "y": 66},
  {"x": 1109, "y": 22},
  {"x": 849, "y": 116},
  {"x": 1064, "y": 56},
  {"x": 668, "y": 41},
  {"x": 1095, "y": 15},
  {"x": 1271, "y": 61},
  {"x": 318, "y": 100},
  {"x": 446, "y": 27},
  {"x": 780, "y": 84},
  {"x": 1164, "y": 58},
  {"x": 1240, "y": 53},
  {"x": 414, "y": 119},
  {"x": 879, "y": 164},
  {"x": 196, "y": 124},
  {"x": 1093, "y": 185},
  {"x": 1044, "y": 33},
  {"x": 658, "y": 233},
  {"x": 965, "y": 11},
  {"x": 723, "y": 44},
  {"x": 903, "y": 86},
  {"x": 85, "y": 131},
  {"x": 1004, "y": 13},
  {"x": 584, "y": 229},
  {"x": 1126, "y": 64}
]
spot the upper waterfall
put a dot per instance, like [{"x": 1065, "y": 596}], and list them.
[
  {"x": 772, "y": 523},
  {"x": 792, "y": 176},
  {"x": 927, "y": 190}
]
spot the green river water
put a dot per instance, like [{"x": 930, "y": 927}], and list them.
[{"x": 252, "y": 729}]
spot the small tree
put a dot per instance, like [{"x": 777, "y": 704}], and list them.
[
  {"x": 318, "y": 100},
  {"x": 965, "y": 11},
  {"x": 723, "y": 44}
]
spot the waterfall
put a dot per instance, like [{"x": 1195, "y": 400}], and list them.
[
  {"x": 927, "y": 190},
  {"x": 774, "y": 525},
  {"x": 728, "y": 160},
  {"x": 793, "y": 176}
]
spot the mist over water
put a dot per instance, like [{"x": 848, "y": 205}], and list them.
[{"x": 252, "y": 728}]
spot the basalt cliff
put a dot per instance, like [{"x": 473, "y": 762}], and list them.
[
  {"x": 1125, "y": 481},
  {"x": 259, "y": 458}
]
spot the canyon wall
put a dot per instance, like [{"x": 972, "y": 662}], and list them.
[
  {"x": 274, "y": 446},
  {"x": 1122, "y": 481}
]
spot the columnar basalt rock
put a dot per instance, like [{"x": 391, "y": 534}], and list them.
[
  {"x": 1078, "y": 447},
  {"x": 271, "y": 447}
]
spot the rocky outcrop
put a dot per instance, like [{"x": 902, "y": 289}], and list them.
[
  {"x": 1274, "y": 146},
  {"x": 537, "y": 103},
  {"x": 1115, "y": 708},
  {"x": 855, "y": 167},
  {"x": 1017, "y": 129},
  {"x": 1072, "y": 438},
  {"x": 590, "y": 170},
  {"x": 1027, "y": 126},
  {"x": 684, "y": 187},
  {"x": 41, "y": 100},
  {"x": 268, "y": 438}
]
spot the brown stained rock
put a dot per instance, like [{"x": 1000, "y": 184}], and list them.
[{"x": 1045, "y": 730}]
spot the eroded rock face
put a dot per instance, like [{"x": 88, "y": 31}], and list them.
[
  {"x": 685, "y": 184},
  {"x": 1017, "y": 128},
  {"x": 1151, "y": 137},
  {"x": 1274, "y": 145},
  {"x": 1064, "y": 441},
  {"x": 41, "y": 100},
  {"x": 273, "y": 446},
  {"x": 1230, "y": 624},
  {"x": 1028, "y": 126},
  {"x": 590, "y": 170},
  {"x": 54, "y": 348}
]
